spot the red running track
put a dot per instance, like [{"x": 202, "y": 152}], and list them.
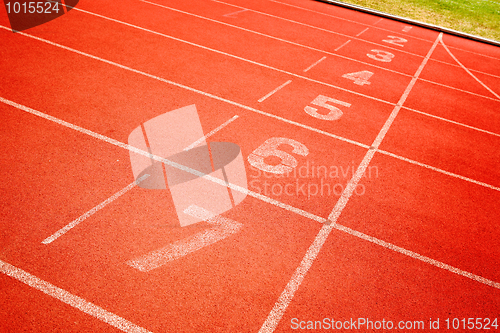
[{"x": 401, "y": 228}]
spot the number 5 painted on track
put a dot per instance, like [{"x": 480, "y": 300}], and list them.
[
  {"x": 270, "y": 148},
  {"x": 334, "y": 114}
]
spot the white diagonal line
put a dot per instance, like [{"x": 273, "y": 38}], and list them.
[
  {"x": 287, "y": 295},
  {"x": 94, "y": 210},
  {"x": 430, "y": 167},
  {"x": 362, "y": 32},
  {"x": 190, "y": 89},
  {"x": 197, "y": 142},
  {"x": 163, "y": 160},
  {"x": 274, "y": 91},
  {"x": 465, "y": 68},
  {"x": 70, "y": 299},
  {"x": 280, "y": 39},
  {"x": 253, "y": 194},
  {"x": 317, "y": 62},
  {"x": 234, "y": 13},
  {"x": 341, "y": 46}
]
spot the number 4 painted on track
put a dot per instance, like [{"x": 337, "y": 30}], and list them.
[{"x": 359, "y": 78}]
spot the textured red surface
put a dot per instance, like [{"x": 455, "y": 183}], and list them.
[{"x": 52, "y": 174}]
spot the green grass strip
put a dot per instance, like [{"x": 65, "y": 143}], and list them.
[{"x": 475, "y": 17}]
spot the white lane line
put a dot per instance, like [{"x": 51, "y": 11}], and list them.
[
  {"x": 282, "y": 40},
  {"x": 274, "y": 91},
  {"x": 200, "y": 140},
  {"x": 465, "y": 68},
  {"x": 362, "y": 32},
  {"x": 216, "y": 51},
  {"x": 213, "y": 179},
  {"x": 318, "y": 28},
  {"x": 286, "y": 296},
  {"x": 317, "y": 62},
  {"x": 414, "y": 37},
  {"x": 270, "y": 115},
  {"x": 250, "y": 193},
  {"x": 378, "y": 28},
  {"x": 300, "y": 45},
  {"x": 70, "y": 299},
  {"x": 451, "y": 174},
  {"x": 341, "y": 46},
  {"x": 94, "y": 210},
  {"x": 222, "y": 228},
  {"x": 407, "y": 28},
  {"x": 472, "y": 70},
  {"x": 461, "y": 90},
  {"x": 378, "y": 21},
  {"x": 164, "y": 160},
  {"x": 234, "y": 13},
  {"x": 451, "y": 121},
  {"x": 343, "y": 19},
  {"x": 417, "y": 256}
]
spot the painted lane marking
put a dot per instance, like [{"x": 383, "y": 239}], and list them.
[
  {"x": 414, "y": 37},
  {"x": 395, "y": 40},
  {"x": 280, "y": 39},
  {"x": 222, "y": 228},
  {"x": 342, "y": 18},
  {"x": 378, "y": 21},
  {"x": 453, "y": 122},
  {"x": 461, "y": 90},
  {"x": 261, "y": 197},
  {"x": 465, "y": 68},
  {"x": 215, "y": 51},
  {"x": 337, "y": 55},
  {"x": 407, "y": 28},
  {"x": 287, "y": 295},
  {"x": 193, "y": 90},
  {"x": 472, "y": 70},
  {"x": 317, "y": 62},
  {"x": 451, "y": 174},
  {"x": 202, "y": 139},
  {"x": 216, "y": 180},
  {"x": 94, "y": 210},
  {"x": 70, "y": 299},
  {"x": 235, "y": 13},
  {"x": 370, "y": 25},
  {"x": 165, "y": 161},
  {"x": 274, "y": 91},
  {"x": 338, "y": 48},
  {"x": 313, "y": 27},
  {"x": 362, "y": 32}
]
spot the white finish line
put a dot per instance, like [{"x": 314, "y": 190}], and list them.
[
  {"x": 293, "y": 285},
  {"x": 70, "y": 299}
]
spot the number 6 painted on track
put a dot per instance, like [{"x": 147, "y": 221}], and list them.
[
  {"x": 270, "y": 148},
  {"x": 321, "y": 100}
]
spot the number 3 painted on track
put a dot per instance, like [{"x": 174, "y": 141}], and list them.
[
  {"x": 334, "y": 114},
  {"x": 270, "y": 148},
  {"x": 380, "y": 55}
]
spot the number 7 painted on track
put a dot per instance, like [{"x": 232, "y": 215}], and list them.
[{"x": 195, "y": 198}]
